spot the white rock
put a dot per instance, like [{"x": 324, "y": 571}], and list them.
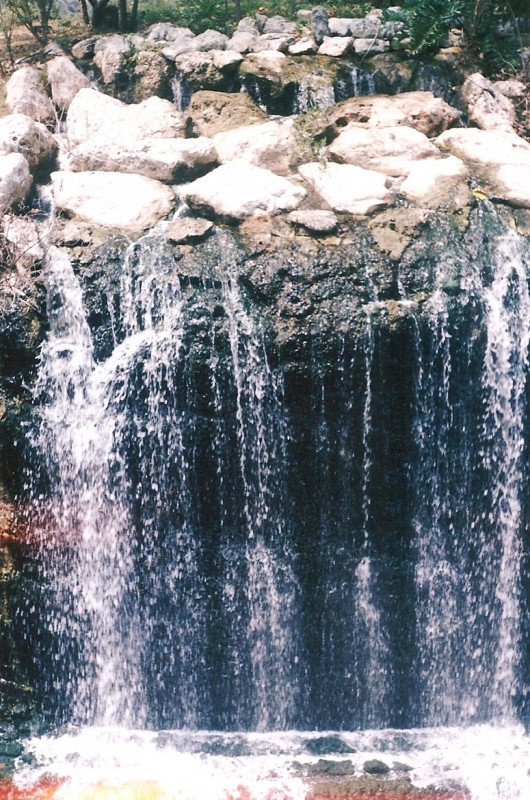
[
  {"x": 269, "y": 145},
  {"x": 314, "y": 220},
  {"x": 24, "y": 237},
  {"x": 336, "y": 46},
  {"x": 26, "y": 94},
  {"x": 345, "y": 187},
  {"x": 211, "y": 40},
  {"x": 95, "y": 115},
  {"x": 239, "y": 189},
  {"x": 432, "y": 182},
  {"x": 364, "y": 47},
  {"x": 167, "y": 32},
  {"x": 128, "y": 203},
  {"x": 485, "y": 147},
  {"x": 65, "y": 81},
  {"x": 340, "y": 26},
  {"x": 189, "y": 230},
  {"x": 389, "y": 150},
  {"x": 420, "y": 110},
  {"x": 303, "y": 47},
  {"x": 160, "y": 159},
  {"x": 273, "y": 41},
  {"x": 512, "y": 184},
  {"x": 15, "y": 180},
  {"x": 486, "y": 107},
  {"x": 110, "y": 54},
  {"x": 510, "y": 88},
  {"x": 226, "y": 60},
  {"x": 243, "y": 41},
  {"x": 269, "y": 60},
  {"x": 364, "y": 28},
  {"x": 21, "y": 134},
  {"x": 179, "y": 47}
]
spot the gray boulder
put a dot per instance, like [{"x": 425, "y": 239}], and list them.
[
  {"x": 26, "y": 93},
  {"x": 21, "y": 134},
  {"x": 15, "y": 180},
  {"x": 65, "y": 81},
  {"x": 320, "y": 24}
]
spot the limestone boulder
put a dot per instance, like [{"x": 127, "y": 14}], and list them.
[
  {"x": 340, "y": 26},
  {"x": 317, "y": 221},
  {"x": 214, "y": 112},
  {"x": 366, "y": 47},
  {"x": 167, "y": 32},
  {"x": 303, "y": 47},
  {"x": 110, "y": 54},
  {"x": 211, "y": 40},
  {"x": 239, "y": 189},
  {"x": 26, "y": 93},
  {"x": 15, "y": 180},
  {"x": 320, "y": 24},
  {"x": 243, "y": 41},
  {"x": 279, "y": 24},
  {"x": 200, "y": 71},
  {"x": 151, "y": 74},
  {"x": 189, "y": 230},
  {"x": 24, "y": 237},
  {"x": 389, "y": 150},
  {"x": 265, "y": 63},
  {"x": 21, "y": 134},
  {"x": 485, "y": 147},
  {"x": 65, "y": 81},
  {"x": 423, "y": 111},
  {"x": 95, "y": 115},
  {"x": 84, "y": 49},
  {"x": 166, "y": 160},
  {"x": 335, "y": 46},
  {"x": 511, "y": 184},
  {"x": 127, "y": 203},
  {"x": 348, "y": 188},
  {"x": 364, "y": 27},
  {"x": 270, "y": 145},
  {"x": 434, "y": 182},
  {"x": 276, "y": 42},
  {"x": 487, "y": 107}
]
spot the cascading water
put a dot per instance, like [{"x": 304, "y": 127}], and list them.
[
  {"x": 226, "y": 547},
  {"x": 469, "y": 484},
  {"x": 127, "y": 561}
]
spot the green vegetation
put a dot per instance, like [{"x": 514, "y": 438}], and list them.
[{"x": 430, "y": 21}]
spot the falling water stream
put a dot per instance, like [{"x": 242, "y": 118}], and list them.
[{"x": 214, "y": 626}]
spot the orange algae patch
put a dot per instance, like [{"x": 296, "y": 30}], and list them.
[{"x": 45, "y": 789}]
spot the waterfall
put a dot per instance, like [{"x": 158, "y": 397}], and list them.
[
  {"x": 163, "y": 608},
  {"x": 86, "y": 558},
  {"x": 229, "y": 544},
  {"x": 469, "y": 482}
]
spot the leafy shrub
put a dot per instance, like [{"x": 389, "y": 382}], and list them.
[{"x": 429, "y": 22}]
